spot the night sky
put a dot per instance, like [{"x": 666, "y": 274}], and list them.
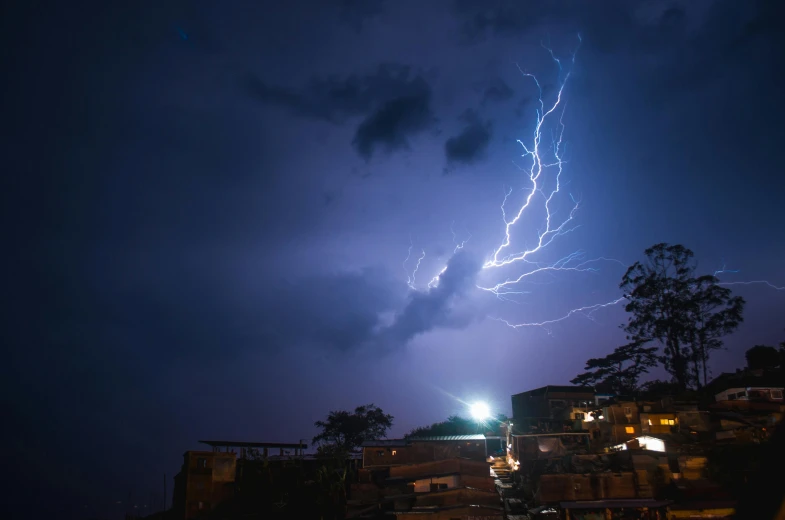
[{"x": 208, "y": 206}]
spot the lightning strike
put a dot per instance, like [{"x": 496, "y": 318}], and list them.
[
  {"x": 458, "y": 246},
  {"x": 413, "y": 278},
  {"x": 580, "y": 310},
  {"x": 544, "y": 196},
  {"x": 753, "y": 282},
  {"x": 544, "y": 191},
  {"x": 405, "y": 270},
  {"x": 725, "y": 270}
]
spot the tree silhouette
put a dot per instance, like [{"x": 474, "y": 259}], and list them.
[
  {"x": 687, "y": 315},
  {"x": 621, "y": 369},
  {"x": 345, "y": 431},
  {"x": 457, "y": 425},
  {"x": 658, "y": 291},
  {"x": 762, "y": 356},
  {"x": 712, "y": 314}
]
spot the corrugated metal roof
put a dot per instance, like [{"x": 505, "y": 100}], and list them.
[
  {"x": 383, "y": 443},
  {"x": 477, "y": 437},
  {"x": 243, "y": 444}
]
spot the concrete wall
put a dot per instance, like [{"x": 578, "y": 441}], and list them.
[
  {"x": 466, "y": 449},
  {"x": 412, "y": 454},
  {"x": 461, "y": 496},
  {"x": 424, "y": 485},
  {"x": 464, "y": 513},
  {"x": 462, "y": 466},
  {"x": 204, "y": 481},
  {"x": 744, "y": 394},
  {"x": 597, "y": 486}
]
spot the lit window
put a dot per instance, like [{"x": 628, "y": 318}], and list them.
[
  {"x": 664, "y": 421},
  {"x": 629, "y": 429},
  {"x": 671, "y": 422},
  {"x": 394, "y": 452}
]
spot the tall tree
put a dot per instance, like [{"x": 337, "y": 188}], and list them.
[
  {"x": 713, "y": 312},
  {"x": 688, "y": 315},
  {"x": 621, "y": 369},
  {"x": 658, "y": 291},
  {"x": 345, "y": 431}
]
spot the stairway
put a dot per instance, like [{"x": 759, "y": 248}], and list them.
[{"x": 502, "y": 474}]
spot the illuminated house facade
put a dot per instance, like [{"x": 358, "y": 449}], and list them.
[
  {"x": 552, "y": 408},
  {"x": 443, "y": 477},
  {"x": 749, "y": 385}
]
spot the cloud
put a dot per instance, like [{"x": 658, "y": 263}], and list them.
[
  {"x": 677, "y": 44},
  {"x": 607, "y": 26},
  {"x": 435, "y": 307},
  {"x": 356, "y": 13},
  {"x": 340, "y": 312},
  {"x": 394, "y": 105},
  {"x": 765, "y": 22},
  {"x": 335, "y": 99},
  {"x": 471, "y": 143},
  {"x": 391, "y": 126},
  {"x": 497, "y": 92}
]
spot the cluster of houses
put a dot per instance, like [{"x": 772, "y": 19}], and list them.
[{"x": 568, "y": 452}]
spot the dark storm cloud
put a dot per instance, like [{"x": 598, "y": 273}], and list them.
[
  {"x": 339, "y": 312},
  {"x": 391, "y": 126},
  {"x": 434, "y": 308},
  {"x": 607, "y": 24},
  {"x": 677, "y": 45},
  {"x": 356, "y": 13},
  {"x": 394, "y": 103},
  {"x": 203, "y": 315},
  {"x": 499, "y": 91},
  {"x": 471, "y": 143},
  {"x": 766, "y": 22},
  {"x": 337, "y": 99}
]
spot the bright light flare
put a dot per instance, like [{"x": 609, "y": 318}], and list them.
[{"x": 480, "y": 411}]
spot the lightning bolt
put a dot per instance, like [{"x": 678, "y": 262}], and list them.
[
  {"x": 541, "y": 197},
  {"x": 411, "y": 278},
  {"x": 725, "y": 270},
  {"x": 587, "y": 311},
  {"x": 542, "y": 194},
  {"x": 458, "y": 245}
]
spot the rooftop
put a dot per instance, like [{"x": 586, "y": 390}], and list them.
[
  {"x": 764, "y": 378},
  {"x": 385, "y": 443},
  {"x": 567, "y": 389},
  {"x": 438, "y": 438},
  {"x": 242, "y": 444},
  {"x": 611, "y": 503},
  {"x": 428, "y": 510}
]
